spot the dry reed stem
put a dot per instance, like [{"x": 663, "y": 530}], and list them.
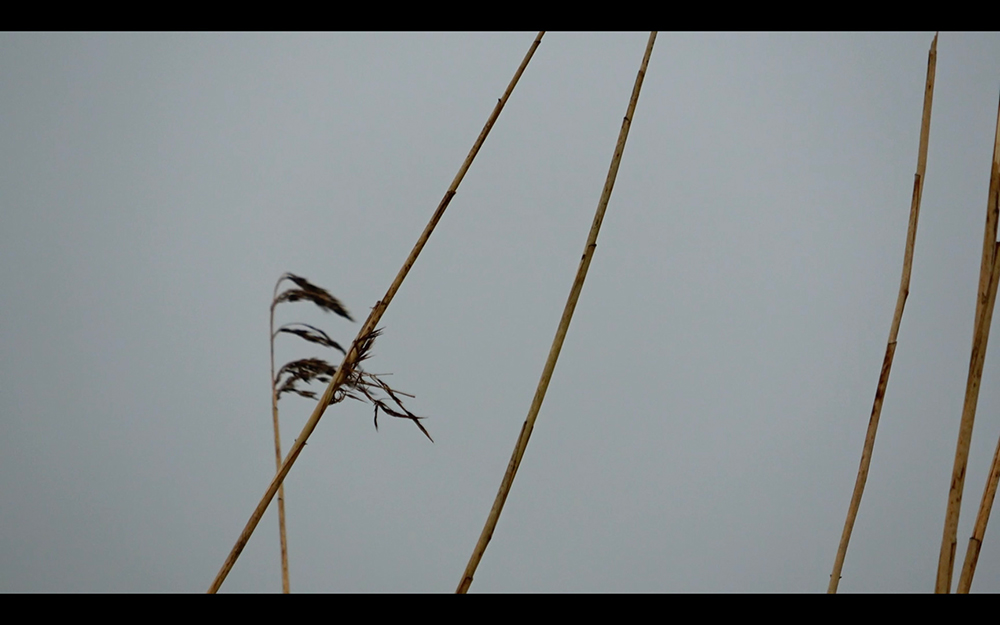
[
  {"x": 350, "y": 360},
  {"x": 979, "y": 356},
  {"x": 322, "y": 298},
  {"x": 285, "y": 585},
  {"x": 550, "y": 364},
  {"x": 980, "y": 337},
  {"x": 309, "y": 292},
  {"x": 890, "y": 348},
  {"x": 979, "y": 531}
]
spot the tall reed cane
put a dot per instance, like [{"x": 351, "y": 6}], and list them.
[
  {"x": 989, "y": 493},
  {"x": 890, "y": 348},
  {"x": 550, "y": 364},
  {"x": 285, "y": 585},
  {"x": 980, "y": 337},
  {"x": 366, "y": 331}
]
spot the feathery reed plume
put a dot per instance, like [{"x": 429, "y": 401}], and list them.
[
  {"x": 557, "y": 341},
  {"x": 367, "y": 333},
  {"x": 890, "y": 348},
  {"x": 359, "y": 385},
  {"x": 989, "y": 271}
]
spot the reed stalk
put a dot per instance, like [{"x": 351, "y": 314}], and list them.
[
  {"x": 979, "y": 531},
  {"x": 890, "y": 348},
  {"x": 988, "y": 275},
  {"x": 285, "y": 587},
  {"x": 367, "y": 331},
  {"x": 567, "y": 316},
  {"x": 303, "y": 291}
]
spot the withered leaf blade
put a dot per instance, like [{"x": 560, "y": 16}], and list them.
[
  {"x": 311, "y": 334},
  {"x": 289, "y": 387},
  {"x": 310, "y": 292},
  {"x": 369, "y": 384}
]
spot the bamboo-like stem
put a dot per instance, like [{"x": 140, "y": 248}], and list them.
[
  {"x": 890, "y": 348},
  {"x": 980, "y": 337},
  {"x": 550, "y": 364},
  {"x": 285, "y": 588},
  {"x": 350, "y": 359},
  {"x": 989, "y": 493},
  {"x": 976, "y": 540}
]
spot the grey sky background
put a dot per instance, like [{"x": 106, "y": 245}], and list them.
[{"x": 703, "y": 428}]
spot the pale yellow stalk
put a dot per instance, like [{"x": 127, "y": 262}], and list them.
[
  {"x": 550, "y": 363},
  {"x": 980, "y": 337},
  {"x": 350, "y": 360},
  {"x": 979, "y": 531},
  {"x": 890, "y": 348},
  {"x": 285, "y": 587}
]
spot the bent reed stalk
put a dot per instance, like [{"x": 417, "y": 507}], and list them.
[
  {"x": 368, "y": 329},
  {"x": 988, "y": 274},
  {"x": 567, "y": 316},
  {"x": 285, "y": 586},
  {"x": 890, "y": 348},
  {"x": 309, "y": 292}
]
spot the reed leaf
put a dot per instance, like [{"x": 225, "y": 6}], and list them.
[
  {"x": 311, "y": 334},
  {"x": 309, "y": 292}
]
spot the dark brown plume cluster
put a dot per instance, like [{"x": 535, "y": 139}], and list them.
[
  {"x": 310, "y": 292},
  {"x": 358, "y": 384}
]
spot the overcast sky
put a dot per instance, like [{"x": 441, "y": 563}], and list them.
[{"x": 704, "y": 425}]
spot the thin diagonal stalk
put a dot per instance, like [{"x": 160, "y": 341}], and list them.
[
  {"x": 976, "y": 540},
  {"x": 980, "y": 337},
  {"x": 550, "y": 364},
  {"x": 350, "y": 360},
  {"x": 890, "y": 348},
  {"x": 285, "y": 587}
]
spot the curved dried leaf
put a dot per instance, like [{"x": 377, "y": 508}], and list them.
[
  {"x": 308, "y": 291},
  {"x": 311, "y": 334},
  {"x": 289, "y": 387}
]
